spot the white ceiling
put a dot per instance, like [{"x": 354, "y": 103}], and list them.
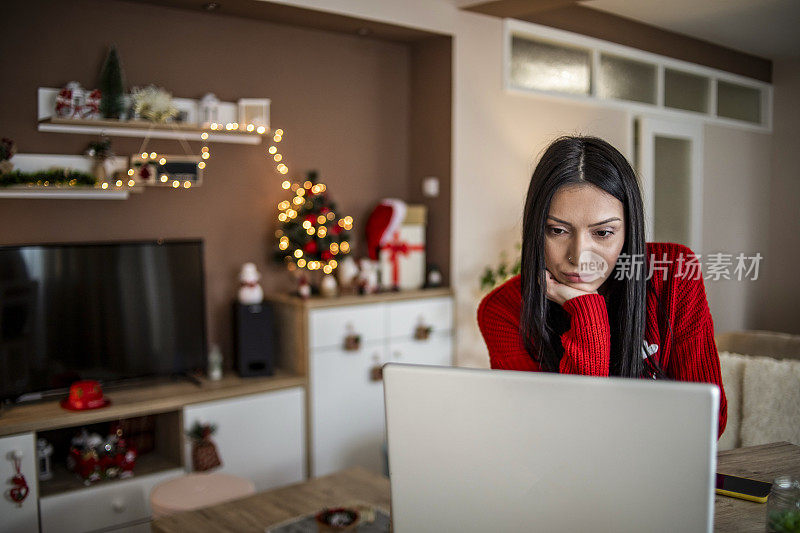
[{"x": 766, "y": 28}]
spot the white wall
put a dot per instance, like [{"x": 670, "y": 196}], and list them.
[
  {"x": 498, "y": 140},
  {"x": 497, "y": 137},
  {"x": 736, "y": 176},
  {"x": 779, "y": 310}
]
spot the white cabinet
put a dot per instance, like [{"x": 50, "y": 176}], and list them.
[
  {"x": 260, "y": 437},
  {"x": 347, "y": 409},
  {"x": 346, "y": 395},
  {"x": 117, "y": 504},
  {"x": 25, "y": 517}
]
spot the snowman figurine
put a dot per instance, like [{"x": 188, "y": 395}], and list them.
[
  {"x": 367, "y": 280},
  {"x": 348, "y": 272},
  {"x": 250, "y": 292}
]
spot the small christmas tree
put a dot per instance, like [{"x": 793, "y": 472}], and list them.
[
  {"x": 310, "y": 236},
  {"x": 111, "y": 103}
]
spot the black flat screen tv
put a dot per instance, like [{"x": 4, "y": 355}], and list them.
[{"x": 112, "y": 312}]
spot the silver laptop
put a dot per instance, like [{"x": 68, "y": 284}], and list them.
[{"x": 490, "y": 451}]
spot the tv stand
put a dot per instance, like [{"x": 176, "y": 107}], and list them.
[
  {"x": 271, "y": 451},
  {"x": 190, "y": 378}
]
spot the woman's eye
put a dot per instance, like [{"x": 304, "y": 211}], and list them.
[
  {"x": 556, "y": 231},
  {"x": 604, "y": 233}
]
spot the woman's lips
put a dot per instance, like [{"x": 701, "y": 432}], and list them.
[{"x": 577, "y": 278}]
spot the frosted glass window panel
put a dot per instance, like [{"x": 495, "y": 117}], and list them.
[
  {"x": 738, "y": 102},
  {"x": 549, "y": 67},
  {"x": 672, "y": 209},
  {"x": 625, "y": 79},
  {"x": 685, "y": 91}
]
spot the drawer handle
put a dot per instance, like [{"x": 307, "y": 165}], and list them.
[
  {"x": 352, "y": 343},
  {"x": 352, "y": 340},
  {"x": 118, "y": 506},
  {"x": 422, "y": 332}
]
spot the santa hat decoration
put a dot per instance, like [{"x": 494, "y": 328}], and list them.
[{"x": 382, "y": 223}]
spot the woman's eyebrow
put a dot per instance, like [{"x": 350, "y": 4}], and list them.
[{"x": 606, "y": 221}]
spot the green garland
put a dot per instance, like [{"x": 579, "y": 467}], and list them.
[
  {"x": 505, "y": 270},
  {"x": 55, "y": 177},
  {"x": 200, "y": 431}
]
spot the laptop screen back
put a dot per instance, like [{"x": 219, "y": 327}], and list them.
[{"x": 489, "y": 450}]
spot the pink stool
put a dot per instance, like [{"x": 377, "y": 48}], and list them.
[{"x": 196, "y": 490}]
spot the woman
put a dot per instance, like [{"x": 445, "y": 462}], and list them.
[{"x": 593, "y": 298}]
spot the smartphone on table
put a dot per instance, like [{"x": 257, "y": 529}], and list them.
[{"x": 742, "y": 487}]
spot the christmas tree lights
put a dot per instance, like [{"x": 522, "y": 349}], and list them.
[{"x": 310, "y": 236}]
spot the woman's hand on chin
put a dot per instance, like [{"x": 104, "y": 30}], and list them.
[{"x": 560, "y": 292}]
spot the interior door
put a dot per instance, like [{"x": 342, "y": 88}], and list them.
[{"x": 669, "y": 160}]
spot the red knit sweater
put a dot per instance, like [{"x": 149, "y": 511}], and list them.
[{"x": 688, "y": 352}]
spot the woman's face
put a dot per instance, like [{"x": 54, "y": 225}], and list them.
[{"x": 584, "y": 235}]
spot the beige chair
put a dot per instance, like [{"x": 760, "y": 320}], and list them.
[{"x": 761, "y": 376}]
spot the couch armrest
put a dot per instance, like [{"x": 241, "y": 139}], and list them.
[{"x": 764, "y": 343}]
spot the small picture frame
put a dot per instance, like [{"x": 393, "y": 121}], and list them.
[
  {"x": 254, "y": 112},
  {"x": 176, "y": 171},
  {"x": 144, "y": 172}
]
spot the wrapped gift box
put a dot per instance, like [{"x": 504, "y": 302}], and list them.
[{"x": 402, "y": 257}]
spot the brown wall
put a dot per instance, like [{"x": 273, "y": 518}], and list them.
[
  {"x": 431, "y": 131},
  {"x": 343, "y": 101}
]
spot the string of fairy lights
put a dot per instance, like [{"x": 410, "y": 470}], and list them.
[
  {"x": 205, "y": 154},
  {"x": 319, "y": 226},
  {"x": 289, "y": 210}
]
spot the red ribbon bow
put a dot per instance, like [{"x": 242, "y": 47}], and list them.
[{"x": 396, "y": 248}]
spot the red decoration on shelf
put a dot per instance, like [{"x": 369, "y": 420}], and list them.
[
  {"x": 93, "y": 458},
  {"x": 85, "y": 395},
  {"x": 20, "y": 490}
]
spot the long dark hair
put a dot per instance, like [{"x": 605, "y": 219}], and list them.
[{"x": 578, "y": 161}]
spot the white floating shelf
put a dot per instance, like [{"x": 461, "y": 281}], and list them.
[
  {"x": 71, "y": 193},
  {"x": 157, "y": 131},
  {"x": 80, "y": 163},
  {"x": 139, "y": 128}
]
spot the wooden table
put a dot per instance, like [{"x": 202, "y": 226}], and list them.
[
  {"x": 257, "y": 512},
  {"x": 763, "y": 463}
]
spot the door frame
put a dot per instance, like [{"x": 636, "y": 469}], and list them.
[{"x": 648, "y": 128}]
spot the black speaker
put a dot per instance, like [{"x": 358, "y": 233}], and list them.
[{"x": 253, "y": 339}]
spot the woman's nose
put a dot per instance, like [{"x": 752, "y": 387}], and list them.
[{"x": 577, "y": 246}]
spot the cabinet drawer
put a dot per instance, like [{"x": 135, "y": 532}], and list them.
[
  {"x": 346, "y": 410},
  {"x": 436, "y": 350},
  {"x": 329, "y": 327},
  {"x": 404, "y": 317},
  {"x": 104, "y": 506},
  {"x": 260, "y": 437}
]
